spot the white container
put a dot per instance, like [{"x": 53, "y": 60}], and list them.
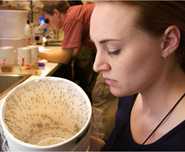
[
  {"x": 60, "y": 101},
  {"x": 7, "y": 55},
  {"x": 13, "y": 23},
  {"x": 23, "y": 56},
  {"x": 34, "y": 50}
]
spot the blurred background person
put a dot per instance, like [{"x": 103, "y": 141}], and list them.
[{"x": 77, "y": 50}]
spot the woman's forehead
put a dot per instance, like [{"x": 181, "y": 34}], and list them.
[{"x": 112, "y": 19}]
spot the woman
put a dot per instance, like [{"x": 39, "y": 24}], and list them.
[{"x": 141, "y": 55}]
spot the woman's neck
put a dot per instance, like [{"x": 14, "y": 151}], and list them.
[{"x": 161, "y": 96}]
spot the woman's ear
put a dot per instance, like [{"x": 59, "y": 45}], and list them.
[{"x": 170, "y": 41}]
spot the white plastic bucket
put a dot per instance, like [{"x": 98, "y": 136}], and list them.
[{"x": 57, "y": 98}]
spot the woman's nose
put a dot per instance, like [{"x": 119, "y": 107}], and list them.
[{"x": 100, "y": 63}]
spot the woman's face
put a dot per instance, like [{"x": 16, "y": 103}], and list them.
[{"x": 128, "y": 58}]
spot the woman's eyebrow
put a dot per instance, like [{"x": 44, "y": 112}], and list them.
[{"x": 107, "y": 40}]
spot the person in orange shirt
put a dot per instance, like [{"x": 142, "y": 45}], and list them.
[{"x": 76, "y": 45}]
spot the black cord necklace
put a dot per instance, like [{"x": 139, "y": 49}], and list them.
[{"x": 171, "y": 110}]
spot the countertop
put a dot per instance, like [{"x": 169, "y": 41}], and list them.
[{"x": 47, "y": 70}]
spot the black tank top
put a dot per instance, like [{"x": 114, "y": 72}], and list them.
[{"x": 121, "y": 137}]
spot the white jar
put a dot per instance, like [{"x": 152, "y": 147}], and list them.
[
  {"x": 34, "y": 50},
  {"x": 23, "y": 56},
  {"x": 7, "y": 55}
]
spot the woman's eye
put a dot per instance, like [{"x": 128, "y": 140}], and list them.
[{"x": 114, "y": 52}]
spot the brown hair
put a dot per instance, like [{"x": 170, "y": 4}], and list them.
[
  {"x": 156, "y": 16},
  {"x": 50, "y": 6}
]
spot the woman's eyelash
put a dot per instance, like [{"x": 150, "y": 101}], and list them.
[{"x": 115, "y": 52}]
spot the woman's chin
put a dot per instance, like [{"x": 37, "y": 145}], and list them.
[
  {"x": 120, "y": 93},
  {"x": 116, "y": 92}
]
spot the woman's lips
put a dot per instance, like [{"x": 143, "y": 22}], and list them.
[{"x": 109, "y": 82}]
